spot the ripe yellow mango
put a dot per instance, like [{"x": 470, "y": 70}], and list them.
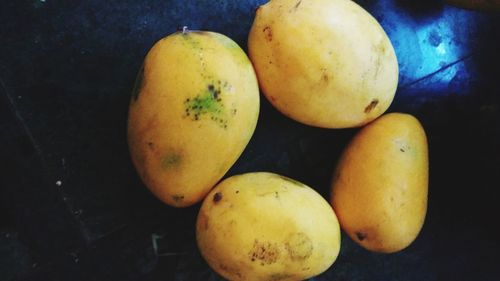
[
  {"x": 325, "y": 63},
  {"x": 263, "y": 226},
  {"x": 379, "y": 188},
  {"x": 193, "y": 111}
]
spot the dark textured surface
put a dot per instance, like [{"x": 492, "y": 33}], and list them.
[{"x": 73, "y": 208}]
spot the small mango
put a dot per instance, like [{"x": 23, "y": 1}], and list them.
[{"x": 380, "y": 185}]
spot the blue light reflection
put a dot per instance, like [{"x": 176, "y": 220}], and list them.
[{"x": 427, "y": 45}]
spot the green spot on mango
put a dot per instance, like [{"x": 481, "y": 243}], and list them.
[
  {"x": 139, "y": 83},
  {"x": 191, "y": 40},
  {"x": 170, "y": 160},
  {"x": 209, "y": 102},
  {"x": 228, "y": 43}
]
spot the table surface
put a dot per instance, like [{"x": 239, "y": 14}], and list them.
[{"x": 73, "y": 208}]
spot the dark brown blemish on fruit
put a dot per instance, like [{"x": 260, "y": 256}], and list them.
[
  {"x": 208, "y": 103},
  {"x": 178, "y": 198},
  {"x": 325, "y": 77},
  {"x": 299, "y": 246},
  {"x": 402, "y": 145},
  {"x": 361, "y": 236},
  {"x": 151, "y": 145},
  {"x": 268, "y": 32},
  {"x": 265, "y": 252},
  {"x": 217, "y": 197},
  {"x": 269, "y": 193},
  {"x": 237, "y": 191},
  {"x": 371, "y": 106},
  {"x": 214, "y": 91}
]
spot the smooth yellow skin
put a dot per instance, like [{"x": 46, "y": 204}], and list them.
[
  {"x": 379, "y": 189},
  {"x": 263, "y": 226},
  {"x": 192, "y": 114},
  {"x": 324, "y": 63}
]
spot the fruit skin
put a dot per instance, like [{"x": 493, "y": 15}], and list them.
[
  {"x": 481, "y": 5},
  {"x": 324, "y": 63},
  {"x": 263, "y": 226},
  {"x": 193, "y": 111},
  {"x": 380, "y": 186}
]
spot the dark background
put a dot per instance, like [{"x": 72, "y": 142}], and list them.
[{"x": 66, "y": 72}]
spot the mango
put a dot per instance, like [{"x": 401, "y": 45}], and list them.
[
  {"x": 380, "y": 185},
  {"x": 193, "y": 111},
  {"x": 324, "y": 63},
  {"x": 264, "y": 226}
]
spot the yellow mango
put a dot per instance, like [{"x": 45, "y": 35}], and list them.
[
  {"x": 263, "y": 226},
  {"x": 193, "y": 111},
  {"x": 324, "y": 63},
  {"x": 379, "y": 188}
]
